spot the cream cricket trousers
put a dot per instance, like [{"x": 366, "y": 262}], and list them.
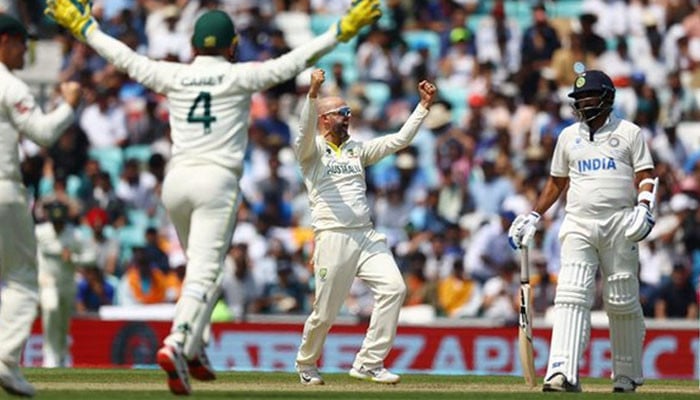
[
  {"x": 339, "y": 257},
  {"x": 18, "y": 272},
  {"x": 587, "y": 244},
  {"x": 57, "y": 299},
  {"x": 202, "y": 202}
]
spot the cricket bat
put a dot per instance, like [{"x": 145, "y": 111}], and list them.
[{"x": 525, "y": 329}]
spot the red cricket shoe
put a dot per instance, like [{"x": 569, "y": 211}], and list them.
[
  {"x": 173, "y": 363},
  {"x": 200, "y": 368}
]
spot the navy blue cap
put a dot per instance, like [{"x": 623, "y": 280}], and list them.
[
  {"x": 10, "y": 25},
  {"x": 592, "y": 81}
]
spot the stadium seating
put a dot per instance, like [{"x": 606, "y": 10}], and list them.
[
  {"x": 296, "y": 27},
  {"x": 432, "y": 39},
  {"x": 111, "y": 160},
  {"x": 141, "y": 152}
]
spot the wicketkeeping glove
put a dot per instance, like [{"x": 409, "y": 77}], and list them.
[
  {"x": 523, "y": 229},
  {"x": 639, "y": 223},
  {"x": 74, "y": 15},
  {"x": 361, "y": 13}
]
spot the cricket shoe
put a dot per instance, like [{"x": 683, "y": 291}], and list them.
[
  {"x": 378, "y": 375},
  {"x": 13, "y": 382},
  {"x": 173, "y": 362},
  {"x": 200, "y": 368},
  {"x": 310, "y": 377},
  {"x": 558, "y": 383},
  {"x": 624, "y": 384}
]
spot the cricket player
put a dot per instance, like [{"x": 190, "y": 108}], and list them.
[
  {"x": 20, "y": 115},
  {"x": 606, "y": 166},
  {"x": 58, "y": 244},
  {"x": 346, "y": 244},
  {"x": 209, "y": 103}
]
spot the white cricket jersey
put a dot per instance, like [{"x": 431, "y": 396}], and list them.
[
  {"x": 335, "y": 176},
  {"x": 209, "y": 99},
  {"x": 50, "y": 250},
  {"x": 19, "y": 113},
  {"x": 601, "y": 172}
]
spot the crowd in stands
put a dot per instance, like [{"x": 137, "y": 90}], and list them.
[{"x": 503, "y": 69}]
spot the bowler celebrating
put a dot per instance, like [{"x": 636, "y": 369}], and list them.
[{"x": 346, "y": 244}]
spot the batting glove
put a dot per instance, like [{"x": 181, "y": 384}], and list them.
[
  {"x": 523, "y": 229},
  {"x": 361, "y": 14},
  {"x": 74, "y": 15},
  {"x": 639, "y": 223}
]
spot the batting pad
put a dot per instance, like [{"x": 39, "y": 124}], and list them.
[
  {"x": 626, "y": 325},
  {"x": 572, "y": 326}
]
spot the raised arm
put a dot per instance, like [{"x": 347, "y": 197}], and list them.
[
  {"x": 42, "y": 128},
  {"x": 378, "y": 148},
  {"x": 305, "y": 142},
  {"x": 271, "y": 72},
  {"x": 76, "y": 17}
]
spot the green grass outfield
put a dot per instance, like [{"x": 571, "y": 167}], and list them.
[{"x": 98, "y": 384}]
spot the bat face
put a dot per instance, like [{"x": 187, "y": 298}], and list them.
[{"x": 525, "y": 337}]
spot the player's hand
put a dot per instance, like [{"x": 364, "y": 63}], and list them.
[
  {"x": 427, "y": 92},
  {"x": 361, "y": 14},
  {"x": 71, "y": 93},
  {"x": 523, "y": 229},
  {"x": 74, "y": 15},
  {"x": 318, "y": 76},
  {"x": 639, "y": 223}
]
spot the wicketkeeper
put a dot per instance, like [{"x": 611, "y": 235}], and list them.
[{"x": 608, "y": 170}]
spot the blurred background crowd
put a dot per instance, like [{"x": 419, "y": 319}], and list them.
[{"x": 503, "y": 69}]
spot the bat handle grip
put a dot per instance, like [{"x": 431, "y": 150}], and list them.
[{"x": 525, "y": 265}]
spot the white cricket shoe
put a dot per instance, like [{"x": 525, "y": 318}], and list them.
[
  {"x": 624, "y": 384},
  {"x": 173, "y": 362},
  {"x": 310, "y": 376},
  {"x": 559, "y": 383},
  {"x": 200, "y": 367},
  {"x": 13, "y": 382},
  {"x": 378, "y": 375}
]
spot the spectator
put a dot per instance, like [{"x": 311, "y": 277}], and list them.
[
  {"x": 154, "y": 251},
  {"x": 104, "y": 121},
  {"x": 677, "y": 297},
  {"x": 106, "y": 248},
  {"x": 239, "y": 288},
  {"x": 94, "y": 290},
  {"x": 142, "y": 282},
  {"x": 458, "y": 295},
  {"x": 500, "y": 300}
]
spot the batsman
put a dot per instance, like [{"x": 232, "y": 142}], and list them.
[
  {"x": 209, "y": 103},
  {"x": 604, "y": 165}
]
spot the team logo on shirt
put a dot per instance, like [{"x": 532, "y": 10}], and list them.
[
  {"x": 614, "y": 142},
  {"x": 596, "y": 164},
  {"x": 342, "y": 168},
  {"x": 322, "y": 274}
]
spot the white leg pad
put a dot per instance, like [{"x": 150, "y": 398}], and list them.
[
  {"x": 571, "y": 329},
  {"x": 626, "y": 325}
]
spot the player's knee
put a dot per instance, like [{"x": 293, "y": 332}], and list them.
[
  {"x": 575, "y": 287},
  {"x": 396, "y": 290},
  {"x": 622, "y": 294}
]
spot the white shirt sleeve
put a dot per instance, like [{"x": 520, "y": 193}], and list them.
[{"x": 378, "y": 148}]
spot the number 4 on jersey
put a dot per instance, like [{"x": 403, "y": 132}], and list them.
[{"x": 205, "y": 116}]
